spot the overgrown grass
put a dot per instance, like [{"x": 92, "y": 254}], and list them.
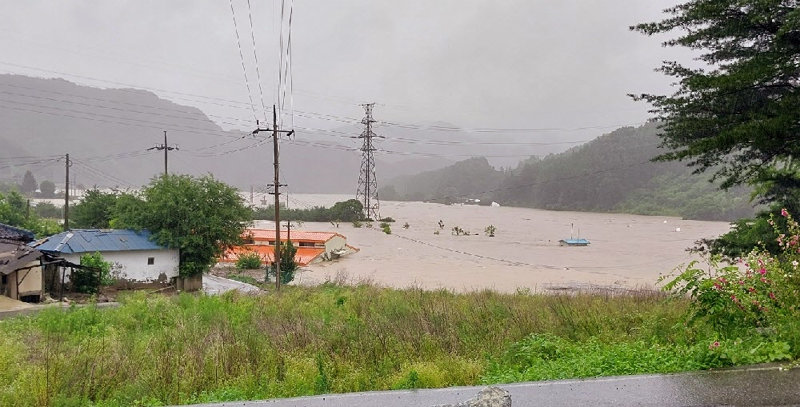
[{"x": 156, "y": 350}]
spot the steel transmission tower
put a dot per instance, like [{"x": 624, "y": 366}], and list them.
[{"x": 367, "y": 182}]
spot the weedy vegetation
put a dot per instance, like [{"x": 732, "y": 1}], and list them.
[{"x": 156, "y": 350}]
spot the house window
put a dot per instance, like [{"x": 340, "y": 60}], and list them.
[{"x": 151, "y": 261}]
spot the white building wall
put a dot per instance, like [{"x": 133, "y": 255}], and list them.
[
  {"x": 132, "y": 265},
  {"x": 335, "y": 243}
]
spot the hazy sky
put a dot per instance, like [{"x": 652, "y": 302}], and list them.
[{"x": 493, "y": 64}]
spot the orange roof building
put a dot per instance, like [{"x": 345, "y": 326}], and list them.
[{"x": 311, "y": 247}]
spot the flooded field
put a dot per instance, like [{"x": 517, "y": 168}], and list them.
[{"x": 626, "y": 251}]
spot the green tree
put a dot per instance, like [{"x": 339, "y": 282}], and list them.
[
  {"x": 13, "y": 209},
  {"x": 199, "y": 216},
  {"x": 348, "y": 211},
  {"x": 47, "y": 189},
  {"x": 95, "y": 210},
  {"x": 737, "y": 115},
  {"x": 48, "y": 210},
  {"x": 288, "y": 264},
  {"x": 29, "y": 184}
]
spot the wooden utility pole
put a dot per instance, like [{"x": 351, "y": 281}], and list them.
[
  {"x": 277, "y": 185},
  {"x": 166, "y": 149},
  {"x": 66, "y": 195}
]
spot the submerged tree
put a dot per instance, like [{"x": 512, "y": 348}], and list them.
[{"x": 738, "y": 114}]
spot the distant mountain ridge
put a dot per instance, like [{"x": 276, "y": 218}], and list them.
[
  {"x": 107, "y": 133},
  {"x": 613, "y": 173}
]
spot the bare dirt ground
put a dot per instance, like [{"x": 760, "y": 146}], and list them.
[{"x": 626, "y": 251}]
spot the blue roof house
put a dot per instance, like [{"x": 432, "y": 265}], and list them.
[{"x": 133, "y": 256}]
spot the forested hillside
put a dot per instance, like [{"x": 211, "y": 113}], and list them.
[
  {"x": 469, "y": 179},
  {"x": 612, "y": 173}
]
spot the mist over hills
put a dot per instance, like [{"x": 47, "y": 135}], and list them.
[
  {"x": 612, "y": 173},
  {"x": 107, "y": 133}
]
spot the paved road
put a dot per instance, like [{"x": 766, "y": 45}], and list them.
[
  {"x": 756, "y": 386},
  {"x": 214, "y": 285}
]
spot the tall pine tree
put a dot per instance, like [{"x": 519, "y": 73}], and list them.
[{"x": 739, "y": 115}]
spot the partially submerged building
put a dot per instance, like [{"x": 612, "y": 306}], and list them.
[
  {"x": 20, "y": 265},
  {"x": 312, "y": 247},
  {"x": 133, "y": 256}
]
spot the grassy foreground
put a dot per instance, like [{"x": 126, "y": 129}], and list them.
[{"x": 155, "y": 350}]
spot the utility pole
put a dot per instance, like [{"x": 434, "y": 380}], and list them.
[
  {"x": 367, "y": 181},
  {"x": 66, "y": 194},
  {"x": 277, "y": 193},
  {"x": 167, "y": 148}
]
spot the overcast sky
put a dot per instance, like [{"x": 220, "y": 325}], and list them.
[{"x": 492, "y": 64}]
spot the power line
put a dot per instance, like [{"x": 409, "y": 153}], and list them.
[
  {"x": 255, "y": 57},
  {"x": 241, "y": 57}
]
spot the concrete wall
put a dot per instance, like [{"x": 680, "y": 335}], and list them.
[
  {"x": 335, "y": 243},
  {"x": 133, "y": 265},
  {"x": 30, "y": 282}
]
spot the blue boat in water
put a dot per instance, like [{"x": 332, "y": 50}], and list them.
[{"x": 573, "y": 241}]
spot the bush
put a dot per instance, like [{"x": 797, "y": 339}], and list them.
[
  {"x": 96, "y": 274},
  {"x": 763, "y": 292},
  {"x": 248, "y": 261},
  {"x": 48, "y": 210},
  {"x": 288, "y": 264}
]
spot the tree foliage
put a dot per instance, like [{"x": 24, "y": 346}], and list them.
[
  {"x": 345, "y": 211},
  {"x": 14, "y": 211},
  {"x": 29, "y": 184},
  {"x": 288, "y": 264},
  {"x": 97, "y": 273},
  {"x": 47, "y": 189},
  {"x": 736, "y": 115},
  {"x": 199, "y": 216},
  {"x": 96, "y": 210}
]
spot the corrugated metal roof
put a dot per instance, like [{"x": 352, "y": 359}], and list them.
[
  {"x": 295, "y": 235},
  {"x": 98, "y": 240},
  {"x": 14, "y": 255},
  {"x": 12, "y": 233},
  {"x": 303, "y": 256}
]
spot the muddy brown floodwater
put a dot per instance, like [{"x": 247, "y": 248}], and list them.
[{"x": 626, "y": 251}]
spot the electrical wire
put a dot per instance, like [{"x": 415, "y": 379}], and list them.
[
  {"x": 241, "y": 57},
  {"x": 255, "y": 57}
]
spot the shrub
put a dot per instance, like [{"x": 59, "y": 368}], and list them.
[
  {"x": 761, "y": 291},
  {"x": 96, "y": 274},
  {"x": 357, "y": 224},
  {"x": 387, "y": 219},
  {"x": 288, "y": 264},
  {"x": 248, "y": 261},
  {"x": 490, "y": 230}
]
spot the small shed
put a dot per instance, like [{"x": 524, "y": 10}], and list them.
[
  {"x": 133, "y": 256},
  {"x": 20, "y": 265}
]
